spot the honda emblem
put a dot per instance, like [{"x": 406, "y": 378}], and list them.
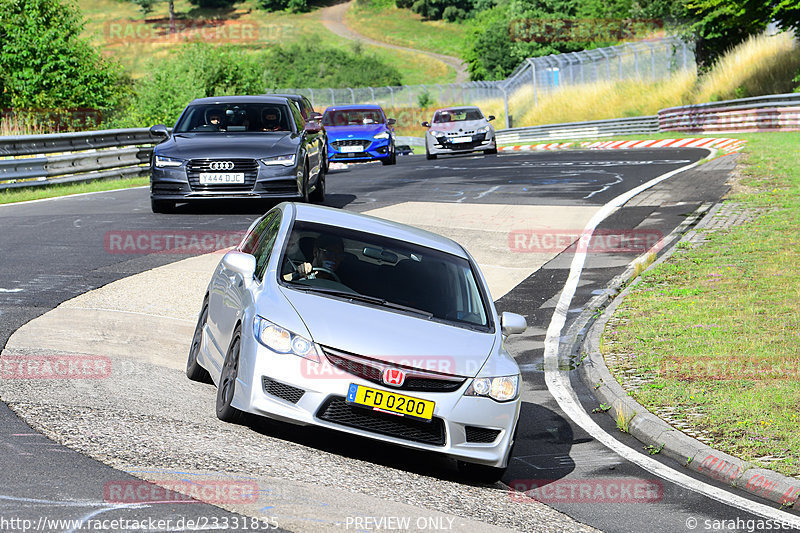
[{"x": 394, "y": 377}]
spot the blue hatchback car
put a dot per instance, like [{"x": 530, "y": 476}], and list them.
[{"x": 358, "y": 133}]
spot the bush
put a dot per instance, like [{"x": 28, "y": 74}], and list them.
[
  {"x": 201, "y": 69},
  {"x": 44, "y": 63}
]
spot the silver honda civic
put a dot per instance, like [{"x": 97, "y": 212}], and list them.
[{"x": 350, "y": 322}]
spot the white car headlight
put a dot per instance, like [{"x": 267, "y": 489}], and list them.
[
  {"x": 382, "y": 135},
  {"x": 484, "y": 129},
  {"x": 437, "y": 133},
  {"x": 165, "y": 162},
  {"x": 502, "y": 389},
  {"x": 282, "y": 340},
  {"x": 284, "y": 160}
]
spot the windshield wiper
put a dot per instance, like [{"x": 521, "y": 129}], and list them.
[{"x": 363, "y": 298}]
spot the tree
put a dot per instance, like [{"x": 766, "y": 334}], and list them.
[
  {"x": 719, "y": 25},
  {"x": 46, "y": 64},
  {"x": 147, "y": 7}
]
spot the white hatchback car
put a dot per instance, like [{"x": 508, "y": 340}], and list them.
[
  {"x": 354, "y": 323},
  {"x": 458, "y": 130}
]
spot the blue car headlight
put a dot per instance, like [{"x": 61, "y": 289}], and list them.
[
  {"x": 283, "y": 160},
  {"x": 167, "y": 162},
  {"x": 502, "y": 388},
  {"x": 382, "y": 135},
  {"x": 282, "y": 340}
]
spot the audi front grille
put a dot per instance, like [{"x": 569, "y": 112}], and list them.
[{"x": 249, "y": 167}]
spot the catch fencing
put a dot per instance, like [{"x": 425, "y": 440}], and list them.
[{"x": 646, "y": 60}]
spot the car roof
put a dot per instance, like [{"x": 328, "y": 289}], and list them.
[
  {"x": 353, "y": 106},
  {"x": 295, "y": 97},
  {"x": 360, "y": 222},
  {"x": 458, "y": 108},
  {"x": 240, "y": 100}
]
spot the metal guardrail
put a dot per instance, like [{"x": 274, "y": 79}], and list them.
[
  {"x": 81, "y": 157},
  {"x": 580, "y": 130},
  {"x": 87, "y": 156},
  {"x": 772, "y": 112}
]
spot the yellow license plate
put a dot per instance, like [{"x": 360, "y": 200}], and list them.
[{"x": 381, "y": 400}]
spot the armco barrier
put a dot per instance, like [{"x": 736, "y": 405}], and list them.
[
  {"x": 580, "y": 130},
  {"x": 86, "y": 156},
  {"x": 81, "y": 156},
  {"x": 763, "y": 113}
]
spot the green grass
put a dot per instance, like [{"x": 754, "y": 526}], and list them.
[
  {"x": 385, "y": 22},
  {"x": 715, "y": 329},
  {"x": 117, "y": 28},
  {"x": 51, "y": 191}
]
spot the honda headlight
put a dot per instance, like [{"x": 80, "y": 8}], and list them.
[
  {"x": 167, "y": 162},
  {"x": 282, "y": 340},
  {"x": 382, "y": 135},
  {"x": 284, "y": 160},
  {"x": 502, "y": 389}
]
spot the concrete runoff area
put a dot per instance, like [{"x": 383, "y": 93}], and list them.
[{"x": 145, "y": 407}]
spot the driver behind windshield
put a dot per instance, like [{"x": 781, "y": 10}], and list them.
[{"x": 327, "y": 256}]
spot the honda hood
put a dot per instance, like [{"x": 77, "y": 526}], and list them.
[{"x": 391, "y": 336}]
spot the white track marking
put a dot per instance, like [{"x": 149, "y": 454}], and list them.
[{"x": 558, "y": 381}]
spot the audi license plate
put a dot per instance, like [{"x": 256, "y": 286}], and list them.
[
  {"x": 390, "y": 402},
  {"x": 351, "y": 149},
  {"x": 462, "y": 139},
  {"x": 210, "y": 178}
]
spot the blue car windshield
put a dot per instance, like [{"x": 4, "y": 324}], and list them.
[
  {"x": 384, "y": 271},
  {"x": 235, "y": 117},
  {"x": 353, "y": 117}
]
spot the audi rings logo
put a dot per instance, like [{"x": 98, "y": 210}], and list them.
[{"x": 221, "y": 165}]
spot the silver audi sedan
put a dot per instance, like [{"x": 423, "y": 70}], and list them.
[{"x": 335, "y": 319}]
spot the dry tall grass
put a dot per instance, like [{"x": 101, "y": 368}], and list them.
[{"x": 760, "y": 65}]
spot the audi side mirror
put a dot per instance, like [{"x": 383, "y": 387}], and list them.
[
  {"x": 159, "y": 130},
  {"x": 490, "y": 118},
  {"x": 425, "y": 124}
]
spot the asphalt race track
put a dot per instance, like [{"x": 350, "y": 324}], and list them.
[{"x": 56, "y": 250}]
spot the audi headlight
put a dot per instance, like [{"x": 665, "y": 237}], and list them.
[
  {"x": 484, "y": 129},
  {"x": 168, "y": 162},
  {"x": 437, "y": 133},
  {"x": 502, "y": 389},
  {"x": 284, "y": 160},
  {"x": 282, "y": 340},
  {"x": 382, "y": 135}
]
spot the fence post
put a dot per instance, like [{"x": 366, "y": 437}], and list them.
[
  {"x": 372, "y": 92},
  {"x": 652, "y": 62},
  {"x": 636, "y": 61},
  {"x": 391, "y": 92},
  {"x": 333, "y": 97},
  {"x": 312, "y": 97},
  {"x": 505, "y": 106},
  {"x": 533, "y": 75}
]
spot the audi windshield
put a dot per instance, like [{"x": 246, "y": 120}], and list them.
[{"x": 235, "y": 117}]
